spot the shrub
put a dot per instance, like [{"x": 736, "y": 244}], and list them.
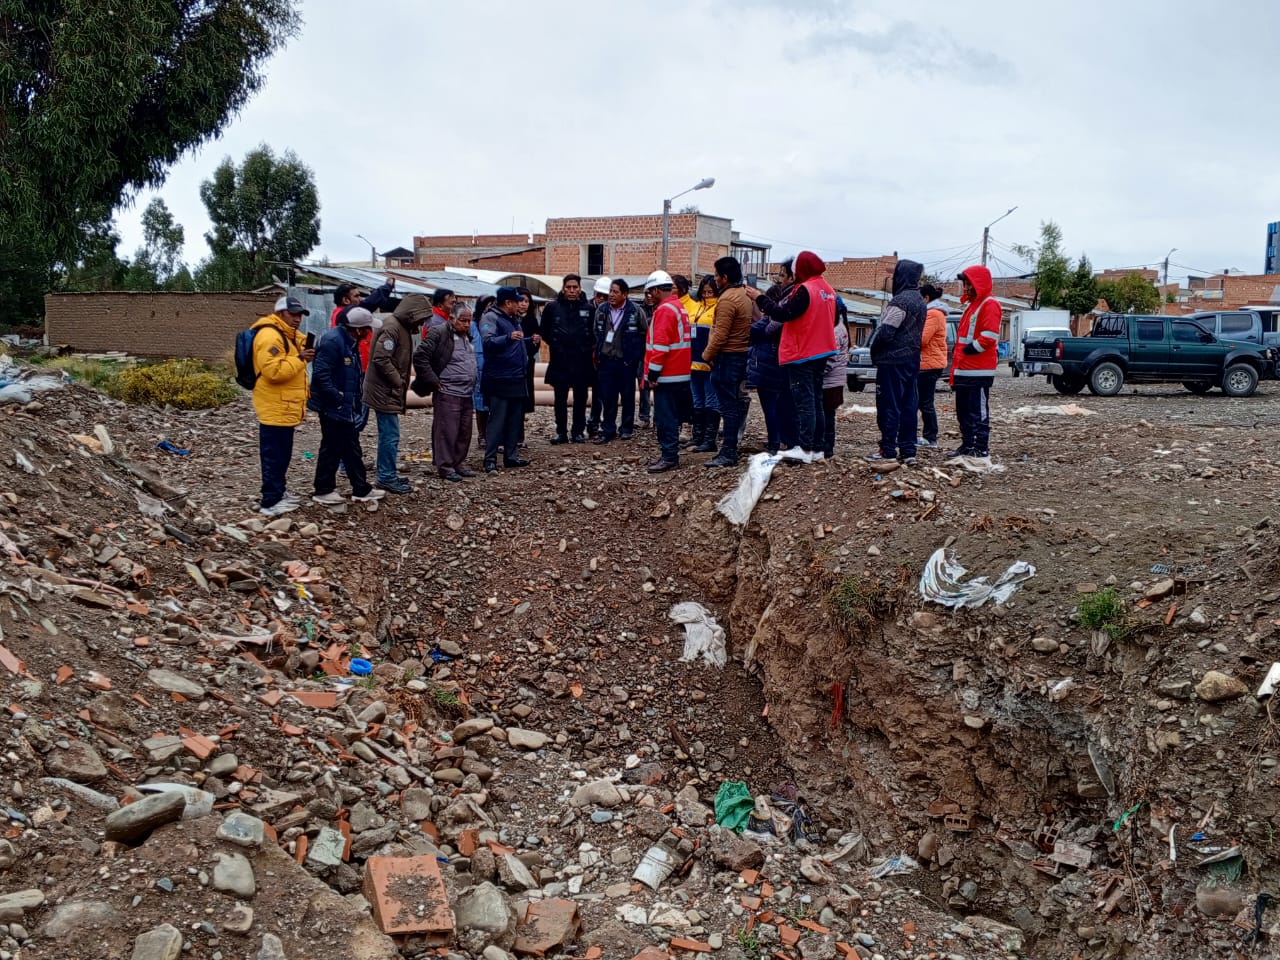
[
  {"x": 1105, "y": 610},
  {"x": 185, "y": 384}
]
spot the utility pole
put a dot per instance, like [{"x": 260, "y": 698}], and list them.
[
  {"x": 1166, "y": 265},
  {"x": 986, "y": 233},
  {"x": 702, "y": 184}
]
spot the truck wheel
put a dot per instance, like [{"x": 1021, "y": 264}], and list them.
[
  {"x": 1069, "y": 386},
  {"x": 1240, "y": 380},
  {"x": 1197, "y": 386},
  {"x": 1106, "y": 380}
]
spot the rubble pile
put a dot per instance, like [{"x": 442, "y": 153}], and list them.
[{"x": 457, "y": 723}]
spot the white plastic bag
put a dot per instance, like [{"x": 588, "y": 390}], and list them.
[
  {"x": 976, "y": 464},
  {"x": 738, "y": 503},
  {"x": 703, "y": 637},
  {"x": 943, "y": 582}
]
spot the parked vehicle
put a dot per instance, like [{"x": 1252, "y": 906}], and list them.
[
  {"x": 1151, "y": 349},
  {"x": 862, "y": 372},
  {"x": 1027, "y": 325},
  {"x": 1250, "y": 325}
]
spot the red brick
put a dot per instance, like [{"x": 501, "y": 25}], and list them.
[
  {"x": 408, "y": 896},
  {"x": 548, "y": 924}
]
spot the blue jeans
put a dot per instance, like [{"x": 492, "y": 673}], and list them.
[
  {"x": 666, "y": 421},
  {"x": 806, "y": 393},
  {"x": 704, "y": 394},
  {"x": 388, "y": 446},
  {"x": 896, "y": 403},
  {"x": 779, "y": 418},
  {"x": 727, "y": 373},
  {"x": 275, "y": 449}
]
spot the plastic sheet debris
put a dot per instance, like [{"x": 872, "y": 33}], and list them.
[
  {"x": 1270, "y": 683},
  {"x": 655, "y": 866},
  {"x": 942, "y": 582},
  {"x": 976, "y": 464},
  {"x": 703, "y": 637},
  {"x": 894, "y": 866},
  {"x": 18, "y": 385},
  {"x": 1051, "y": 410},
  {"x": 734, "y": 805},
  {"x": 168, "y": 446},
  {"x": 852, "y": 409},
  {"x": 851, "y": 846},
  {"x": 738, "y": 503}
]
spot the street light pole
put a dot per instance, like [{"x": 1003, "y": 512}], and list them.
[
  {"x": 373, "y": 251},
  {"x": 702, "y": 184},
  {"x": 1166, "y": 265},
  {"x": 986, "y": 232}
]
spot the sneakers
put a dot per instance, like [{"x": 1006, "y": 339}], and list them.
[
  {"x": 490, "y": 466},
  {"x": 907, "y": 461},
  {"x": 663, "y": 465},
  {"x": 980, "y": 454},
  {"x": 626, "y": 435},
  {"x": 877, "y": 457},
  {"x": 959, "y": 452},
  {"x": 284, "y": 506},
  {"x": 399, "y": 485},
  {"x": 330, "y": 499},
  {"x": 601, "y": 438},
  {"x": 577, "y": 438},
  {"x": 373, "y": 494},
  {"x": 922, "y": 442}
]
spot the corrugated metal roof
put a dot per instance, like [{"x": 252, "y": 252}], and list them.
[
  {"x": 371, "y": 279},
  {"x": 418, "y": 281}
]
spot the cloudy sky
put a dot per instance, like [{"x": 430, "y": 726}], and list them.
[{"x": 855, "y": 128}]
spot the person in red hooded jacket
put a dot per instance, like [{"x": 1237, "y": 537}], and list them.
[
  {"x": 808, "y": 318},
  {"x": 974, "y": 358}
]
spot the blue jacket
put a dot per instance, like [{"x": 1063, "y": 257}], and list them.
[
  {"x": 763, "y": 370},
  {"x": 504, "y": 358},
  {"x": 477, "y": 395},
  {"x": 337, "y": 379}
]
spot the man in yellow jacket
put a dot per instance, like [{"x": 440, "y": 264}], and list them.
[{"x": 280, "y": 359}]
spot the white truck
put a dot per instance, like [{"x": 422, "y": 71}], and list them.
[{"x": 1035, "y": 325}]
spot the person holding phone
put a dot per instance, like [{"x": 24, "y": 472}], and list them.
[{"x": 280, "y": 360}]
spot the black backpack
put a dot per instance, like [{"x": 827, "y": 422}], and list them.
[{"x": 246, "y": 375}]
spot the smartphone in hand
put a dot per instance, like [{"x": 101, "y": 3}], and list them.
[{"x": 310, "y": 342}]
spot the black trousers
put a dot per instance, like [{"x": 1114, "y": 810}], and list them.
[
  {"x": 340, "y": 444},
  {"x": 896, "y": 409},
  {"x": 580, "y": 391},
  {"x": 503, "y": 430},
  {"x": 926, "y": 385},
  {"x": 973, "y": 410},
  {"x": 617, "y": 386},
  {"x": 275, "y": 449}
]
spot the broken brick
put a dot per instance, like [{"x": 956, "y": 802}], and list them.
[
  {"x": 790, "y": 936},
  {"x": 316, "y": 699},
  {"x": 548, "y": 924},
  {"x": 407, "y": 895},
  {"x": 694, "y": 946}
]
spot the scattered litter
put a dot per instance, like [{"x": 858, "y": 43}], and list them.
[
  {"x": 361, "y": 667},
  {"x": 23, "y": 462},
  {"x": 893, "y": 866},
  {"x": 703, "y": 637},
  {"x": 150, "y": 506},
  {"x": 738, "y": 503},
  {"x": 1120, "y": 821},
  {"x": 734, "y": 805},
  {"x": 941, "y": 582},
  {"x": 168, "y": 446},
  {"x": 19, "y": 385},
  {"x": 1062, "y": 410},
  {"x": 1271, "y": 681},
  {"x": 849, "y": 409},
  {"x": 851, "y": 846},
  {"x": 977, "y": 464},
  {"x": 655, "y": 866}
]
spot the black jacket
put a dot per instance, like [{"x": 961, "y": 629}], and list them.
[
  {"x": 337, "y": 380},
  {"x": 628, "y": 340},
  {"x": 897, "y": 337},
  {"x": 568, "y": 331}
]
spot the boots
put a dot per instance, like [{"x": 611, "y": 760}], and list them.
[
  {"x": 710, "y": 427},
  {"x": 696, "y": 430}
]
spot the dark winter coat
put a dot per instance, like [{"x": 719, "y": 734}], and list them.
[
  {"x": 896, "y": 339},
  {"x": 628, "y": 340},
  {"x": 504, "y": 358},
  {"x": 568, "y": 331},
  {"x": 337, "y": 380},
  {"x": 763, "y": 370}
]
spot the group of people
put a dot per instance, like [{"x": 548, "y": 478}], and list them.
[{"x": 692, "y": 358}]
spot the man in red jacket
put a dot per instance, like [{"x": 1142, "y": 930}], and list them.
[
  {"x": 667, "y": 362},
  {"x": 975, "y": 359}
]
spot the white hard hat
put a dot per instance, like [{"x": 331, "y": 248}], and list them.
[
  {"x": 659, "y": 278},
  {"x": 602, "y": 285}
]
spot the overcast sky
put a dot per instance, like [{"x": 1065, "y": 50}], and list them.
[{"x": 854, "y": 128}]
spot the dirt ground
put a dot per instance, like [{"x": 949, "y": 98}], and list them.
[{"x": 973, "y": 741}]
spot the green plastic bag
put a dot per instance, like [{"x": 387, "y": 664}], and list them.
[{"x": 734, "y": 804}]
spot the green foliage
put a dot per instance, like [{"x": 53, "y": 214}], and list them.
[
  {"x": 159, "y": 259},
  {"x": 263, "y": 211},
  {"x": 1053, "y": 268},
  {"x": 1081, "y": 295},
  {"x": 749, "y": 944},
  {"x": 857, "y": 601},
  {"x": 1132, "y": 293},
  {"x": 185, "y": 384},
  {"x": 1104, "y": 610},
  {"x": 445, "y": 697},
  {"x": 98, "y": 99},
  {"x": 96, "y": 265},
  {"x": 99, "y": 374}
]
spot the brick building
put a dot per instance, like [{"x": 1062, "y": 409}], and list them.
[
  {"x": 1227, "y": 291},
  {"x": 512, "y": 252},
  {"x": 862, "y": 273},
  {"x": 201, "y": 325}
]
